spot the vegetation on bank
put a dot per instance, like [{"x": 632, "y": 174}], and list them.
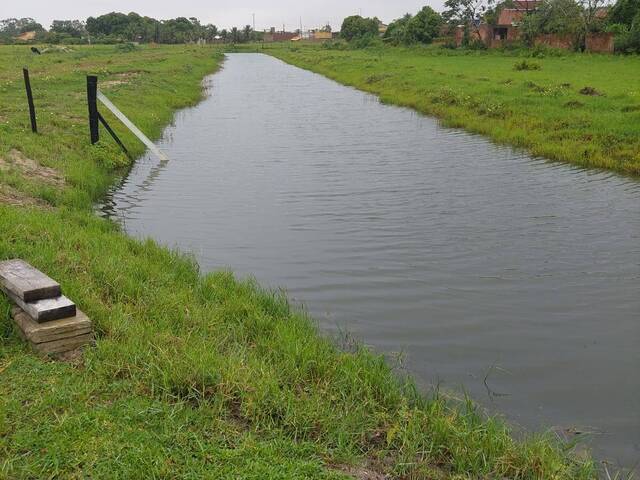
[
  {"x": 577, "y": 108},
  {"x": 116, "y": 27},
  {"x": 193, "y": 376},
  {"x": 572, "y": 20}
]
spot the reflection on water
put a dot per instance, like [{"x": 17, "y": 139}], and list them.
[{"x": 514, "y": 277}]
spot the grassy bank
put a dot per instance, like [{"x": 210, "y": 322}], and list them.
[
  {"x": 576, "y": 108},
  {"x": 193, "y": 376}
]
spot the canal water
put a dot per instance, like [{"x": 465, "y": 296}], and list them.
[{"x": 515, "y": 279}]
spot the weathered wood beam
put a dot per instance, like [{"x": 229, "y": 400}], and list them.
[
  {"x": 26, "y": 282},
  {"x": 54, "y": 330},
  {"x": 46, "y": 309}
]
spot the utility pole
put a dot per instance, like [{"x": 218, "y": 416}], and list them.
[{"x": 254, "y": 22}]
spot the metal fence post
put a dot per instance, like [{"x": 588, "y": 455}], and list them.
[
  {"x": 92, "y": 92},
  {"x": 32, "y": 108}
]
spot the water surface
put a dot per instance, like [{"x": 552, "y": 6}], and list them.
[{"x": 512, "y": 276}]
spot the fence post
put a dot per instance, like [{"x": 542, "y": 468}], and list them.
[
  {"x": 92, "y": 95},
  {"x": 32, "y": 108}
]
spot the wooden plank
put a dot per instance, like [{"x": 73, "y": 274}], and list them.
[
  {"x": 26, "y": 282},
  {"x": 64, "y": 345},
  {"x": 51, "y": 331},
  {"x": 47, "y": 309}
]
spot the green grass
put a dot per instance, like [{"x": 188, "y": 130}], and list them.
[
  {"x": 194, "y": 376},
  {"x": 535, "y": 104}
]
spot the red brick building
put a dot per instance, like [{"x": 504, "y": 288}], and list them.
[{"x": 507, "y": 30}]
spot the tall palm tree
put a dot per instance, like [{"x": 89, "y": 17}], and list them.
[
  {"x": 235, "y": 35},
  {"x": 247, "y": 33}
]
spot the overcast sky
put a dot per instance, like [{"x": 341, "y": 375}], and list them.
[{"x": 222, "y": 13}]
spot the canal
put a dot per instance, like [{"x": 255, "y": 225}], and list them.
[{"x": 509, "y": 277}]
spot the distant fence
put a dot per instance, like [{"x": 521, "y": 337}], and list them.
[
  {"x": 554, "y": 40},
  {"x": 95, "y": 117},
  {"x": 594, "y": 42},
  {"x": 600, "y": 42}
]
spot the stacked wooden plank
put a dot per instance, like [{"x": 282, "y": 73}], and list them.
[{"x": 45, "y": 318}]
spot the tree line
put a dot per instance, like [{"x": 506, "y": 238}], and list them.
[
  {"x": 118, "y": 27},
  {"x": 572, "y": 18}
]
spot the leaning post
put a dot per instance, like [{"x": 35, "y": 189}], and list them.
[
  {"x": 92, "y": 95},
  {"x": 32, "y": 108}
]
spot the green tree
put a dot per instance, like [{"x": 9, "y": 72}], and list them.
[
  {"x": 629, "y": 40},
  {"x": 424, "y": 27},
  {"x": 553, "y": 16},
  {"x": 468, "y": 13},
  {"x": 247, "y": 33},
  {"x": 12, "y": 27},
  {"x": 396, "y": 33},
  {"x": 73, "y": 28},
  {"x": 210, "y": 32},
  {"x": 357, "y": 27},
  {"x": 624, "y": 12},
  {"x": 112, "y": 24},
  {"x": 234, "y": 35}
]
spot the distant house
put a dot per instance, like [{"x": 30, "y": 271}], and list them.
[
  {"x": 273, "y": 36},
  {"x": 382, "y": 28},
  {"x": 320, "y": 35},
  {"x": 507, "y": 30},
  {"x": 26, "y": 36}
]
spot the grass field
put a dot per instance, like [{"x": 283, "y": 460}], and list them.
[
  {"x": 577, "y": 108},
  {"x": 193, "y": 376}
]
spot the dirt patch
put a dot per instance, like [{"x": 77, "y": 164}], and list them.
[
  {"x": 119, "y": 79},
  {"x": 74, "y": 357},
  {"x": 361, "y": 473},
  {"x": 11, "y": 196},
  {"x": 31, "y": 169}
]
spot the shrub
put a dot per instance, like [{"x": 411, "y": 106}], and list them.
[
  {"x": 366, "y": 41},
  {"x": 590, "y": 91},
  {"x": 629, "y": 41},
  {"x": 335, "y": 45},
  {"x": 125, "y": 47},
  {"x": 476, "y": 44},
  {"x": 449, "y": 45},
  {"x": 541, "y": 51},
  {"x": 423, "y": 27},
  {"x": 526, "y": 65}
]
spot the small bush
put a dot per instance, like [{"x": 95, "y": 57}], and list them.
[
  {"x": 590, "y": 91},
  {"x": 335, "y": 45},
  {"x": 574, "y": 104},
  {"x": 449, "y": 45},
  {"x": 525, "y": 65},
  {"x": 477, "y": 45},
  {"x": 125, "y": 47},
  {"x": 366, "y": 41},
  {"x": 542, "y": 51},
  {"x": 377, "y": 77}
]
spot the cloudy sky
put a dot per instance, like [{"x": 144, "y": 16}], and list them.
[{"x": 223, "y": 13}]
